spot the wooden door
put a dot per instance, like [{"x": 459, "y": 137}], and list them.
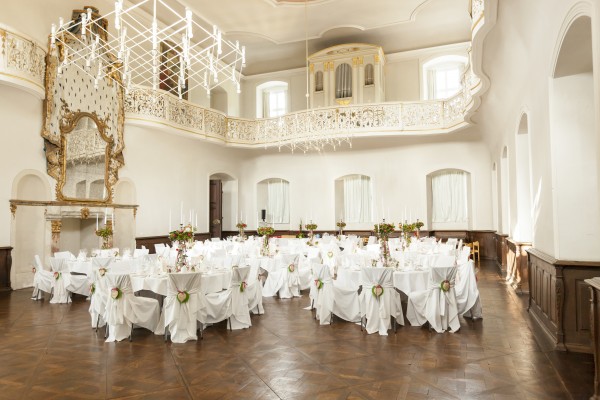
[{"x": 216, "y": 208}]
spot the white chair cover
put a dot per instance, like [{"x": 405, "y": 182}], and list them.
[
  {"x": 346, "y": 304},
  {"x": 128, "y": 309},
  {"x": 433, "y": 305},
  {"x": 378, "y": 310},
  {"x": 468, "y": 302},
  {"x": 98, "y": 299},
  {"x": 60, "y": 280},
  {"x": 323, "y": 297},
  {"x": 281, "y": 280},
  {"x": 181, "y": 318},
  {"x": 240, "y": 317},
  {"x": 254, "y": 288},
  {"x": 42, "y": 279}
]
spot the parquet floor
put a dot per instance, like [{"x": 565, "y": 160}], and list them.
[{"x": 50, "y": 352}]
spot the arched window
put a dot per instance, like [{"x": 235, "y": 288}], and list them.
[
  {"x": 353, "y": 198},
  {"x": 273, "y": 196},
  {"x": 319, "y": 81},
  {"x": 343, "y": 81},
  {"x": 271, "y": 99},
  {"x": 449, "y": 205},
  {"x": 369, "y": 75},
  {"x": 442, "y": 77}
]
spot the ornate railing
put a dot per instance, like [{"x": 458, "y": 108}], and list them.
[{"x": 22, "y": 61}]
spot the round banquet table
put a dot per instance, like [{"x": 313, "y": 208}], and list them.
[{"x": 211, "y": 282}]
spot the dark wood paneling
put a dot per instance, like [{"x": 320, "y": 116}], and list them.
[
  {"x": 5, "y": 266},
  {"x": 487, "y": 243},
  {"x": 558, "y": 299},
  {"x": 216, "y": 208},
  {"x": 594, "y": 291},
  {"x": 501, "y": 252},
  {"x": 150, "y": 241}
]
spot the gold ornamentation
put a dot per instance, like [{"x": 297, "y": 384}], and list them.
[
  {"x": 376, "y": 58},
  {"x": 85, "y": 213},
  {"x": 13, "y": 209},
  {"x": 356, "y": 61},
  {"x": 311, "y": 68},
  {"x": 56, "y": 226},
  {"x": 61, "y": 100},
  {"x": 134, "y": 212}
]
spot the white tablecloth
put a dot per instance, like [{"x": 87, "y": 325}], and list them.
[
  {"x": 405, "y": 281},
  {"x": 210, "y": 282}
]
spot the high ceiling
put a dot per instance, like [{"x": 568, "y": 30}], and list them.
[{"x": 274, "y": 31}]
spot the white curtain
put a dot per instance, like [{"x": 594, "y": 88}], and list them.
[
  {"x": 357, "y": 198},
  {"x": 278, "y": 202},
  {"x": 449, "y": 197}
]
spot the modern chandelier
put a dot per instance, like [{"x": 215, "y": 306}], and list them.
[{"x": 150, "y": 44}]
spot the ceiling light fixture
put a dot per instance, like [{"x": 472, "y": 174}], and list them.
[{"x": 178, "y": 57}]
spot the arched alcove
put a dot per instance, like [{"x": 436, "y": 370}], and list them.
[
  {"x": 218, "y": 100},
  {"x": 573, "y": 134},
  {"x": 449, "y": 199},
  {"x": 223, "y": 206},
  {"x": 354, "y": 200},
  {"x": 523, "y": 229},
  {"x": 504, "y": 193},
  {"x": 495, "y": 202},
  {"x": 29, "y": 233},
  {"x": 273, "y": 196}
]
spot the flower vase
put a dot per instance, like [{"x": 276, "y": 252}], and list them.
[
  {"x": 181, "y": 261},
  {"x": 106, "y": 242},
  {"x": 385, "y": 251},
  {"x": 241, "y": 234},
  {"x": 264, "y": 251}
]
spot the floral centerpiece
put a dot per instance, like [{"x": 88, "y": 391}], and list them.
[
  {"x": 241, "y": 227},
  {"x": 341, "y": 225},
  {"x": 311, "y": 232},
  {"x": 418, "y": 226},
  {"x": 383, "y": 231},
  {"x": 183, "y": 236},
  {"x": 265, "y": 232},
  {"x": 300, "y": 233},
  {"x": 407, "y": 229},
  {"x": 106, "y": 234}
]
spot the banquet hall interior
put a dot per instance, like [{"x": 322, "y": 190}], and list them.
[{"x": 300, "y": 199}]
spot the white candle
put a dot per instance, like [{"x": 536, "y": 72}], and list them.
[
  {"x": 181, "y": 213},
  {"x": 410, "y": 215},
  {"x": 196, "y": 221},
  {"x": 405, "y": 213},
  {"x": 105, "y": 214},
  {"x": 112, "y": 215},
  {"x": 96, "y": 221},
  {"x": 169, "y": 220}
]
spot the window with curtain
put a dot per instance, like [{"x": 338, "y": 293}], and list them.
[
  {"x": 271, "y": 99},
  {"x": 318, "y": 81},
  {"x": 442, "y": 76},
  {"x": 357, "y": 198},
  {"x": 278, "y": 201},
  {"x": 343, "y": 81},
  {"x": 449, "y": 201},
  {"x": 369, "y": 75}
]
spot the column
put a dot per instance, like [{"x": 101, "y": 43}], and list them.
[
  {"x": 326, "y": 84},
  {"x": 311, "y": 84},
  {"x": 361, "y": 80},
  {"x": 56, "y": 225},
  {"x": 377, "y": 79},
  {"x": 355, "y": 62},
  {"x": 331, "y": 83}
]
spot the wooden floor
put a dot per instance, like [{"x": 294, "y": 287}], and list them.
[{"x": 50, "y": 352}]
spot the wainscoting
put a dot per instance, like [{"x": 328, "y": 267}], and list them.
[
  {"x": 559, "y": 299},
  {"x": 5, "y": 266}
]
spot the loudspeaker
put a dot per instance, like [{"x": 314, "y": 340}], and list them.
[{"x": 263, "y": 215}]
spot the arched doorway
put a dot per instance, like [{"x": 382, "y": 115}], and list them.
[
  {"x": 29, "y": 233},
  {"x": 573, "y": 137},
  {"x": 223, "y": 204}
]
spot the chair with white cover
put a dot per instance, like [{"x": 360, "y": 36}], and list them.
[
  {"x": 61, "y": 279},
  {"x": 254, "y": 288},
  {"x": 437, "y": 304},
  {"x": 284, "y": 279},
  {"x": 322, "y": 293},
  {"x": 240, "y": 303},
  {"x": 379, "y": 300},
  {"x": 346, "y": 303},
  {"x": 98, "y": 296},
  {"x": 181, "y": 306},
  {"x": 217, "y": 307},
  {"x": 468, "y": 302},
  {"x": 124, "y": 309},
  {"x": 42, "y": 279}
]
